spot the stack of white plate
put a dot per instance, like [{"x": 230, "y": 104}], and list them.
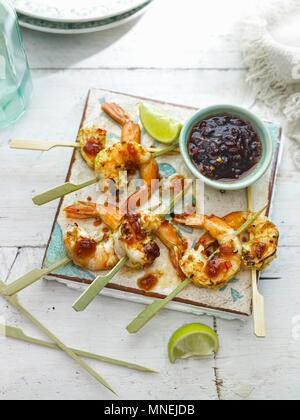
[{"x": 77, "y": 16}]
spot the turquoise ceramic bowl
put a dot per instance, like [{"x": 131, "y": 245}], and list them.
[{"x": 256, "y": 173}]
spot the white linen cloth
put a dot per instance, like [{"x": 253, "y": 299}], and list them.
[{"x": 273, "y": 67}]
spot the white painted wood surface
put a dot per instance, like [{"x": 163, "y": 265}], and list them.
[{"x": 181, "y": 52}]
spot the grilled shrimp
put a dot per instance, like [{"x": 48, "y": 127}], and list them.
[
  {"x": 85, "y": 252},
  {"x": 92, "y": 140},
  {"x": 108, "y": 214},
  {"x": 134, "y": 239},
  {"x": 260, "y": 246},
  {"x": 215, "y": 271},
  {"x": 134, "y": 233},
  {"x": 131, "y": 131},
  {"x": 127, "y": 156}
]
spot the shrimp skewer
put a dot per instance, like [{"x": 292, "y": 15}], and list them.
[
  {"x": 133, "y": 232},
  {"x": 90, "y": 141},
  {"x": 82, "y": 249},
  {"x": 215, "y": 271},
  {"x": 144, "y": 161},
  {"x": 260, "y": 247},
  {"x": 134, "y": 244},
  {"x": 155, "y": 307}
]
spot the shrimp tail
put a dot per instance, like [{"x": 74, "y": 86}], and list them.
[
  {"x": 82, "y": 210},
  {"x": 108, "y": 214},
  {"x": 116, "y": 113},
  {"x": 176, "y": 244},
  {"x": 193, "y": 220},
  {"x": 175, "y": 257},
  {"x": 131, "y": 131}
]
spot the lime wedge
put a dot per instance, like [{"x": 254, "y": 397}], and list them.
[
  {"x": 158, "y": 124},
  {"x": 193, "y": 340}
]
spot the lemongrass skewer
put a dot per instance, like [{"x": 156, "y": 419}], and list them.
[
  {"x": 15, "y": 302},
  {"x": 69, "y": 187},
  {"x": 45, "y": 146},
  {"x": 18, "y": 334}
]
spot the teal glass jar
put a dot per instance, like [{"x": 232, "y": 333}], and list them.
[{"x": 15, "y": 80}]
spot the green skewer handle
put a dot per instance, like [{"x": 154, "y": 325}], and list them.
[
  {"x": 31, "y": 278},
  {"x": 96, "y": 287},
  {"x": 61, "y": 191},
  {"x": 15, "y": 302},
  {"x": 144, "y": 317}
]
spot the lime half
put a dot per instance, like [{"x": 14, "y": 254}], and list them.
[
  {"x": 193, "y": 340},
  {"x": 158, "y": 124}
]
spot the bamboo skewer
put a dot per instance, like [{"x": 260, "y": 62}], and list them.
[
  {"x": 258, "y": 299},
  {"x": 155, "y": 307},
  {"x": 18, "y": 334},
  {"x": 61, "y": 191},
  {"x": 14, "y": 302},
  {"x": 45, "y": 146},
  {"x": 32, "y": 277},
  {"x": 69, "y": 187}
]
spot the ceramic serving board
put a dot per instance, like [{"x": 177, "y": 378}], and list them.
[{"x": 234, "y": 300}]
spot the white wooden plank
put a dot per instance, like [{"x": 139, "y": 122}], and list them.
[
  {"x": 56, "y": 377},
  {"x": 252, "y": 368}
]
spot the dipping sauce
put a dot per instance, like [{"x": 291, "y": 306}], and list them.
[
  {"x": 93, "y": 147},
  {"x": 224, "y": 147}
]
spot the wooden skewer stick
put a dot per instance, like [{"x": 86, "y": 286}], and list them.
[
  {"x": 155, "y": 307},
  {"x": 258, "y": 299},
  {"x": 45, "y": 146},
  {"x": 18, "y": 334},
  {"x": 32, "y": 277},
  {"x": 15, "y": 302},
  {"x": 69, "y": 187}
]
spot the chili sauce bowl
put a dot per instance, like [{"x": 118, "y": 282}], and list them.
[{"x": 250, "y": 177}]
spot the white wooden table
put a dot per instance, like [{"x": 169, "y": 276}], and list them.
[{"x": 187, "y": 54}]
